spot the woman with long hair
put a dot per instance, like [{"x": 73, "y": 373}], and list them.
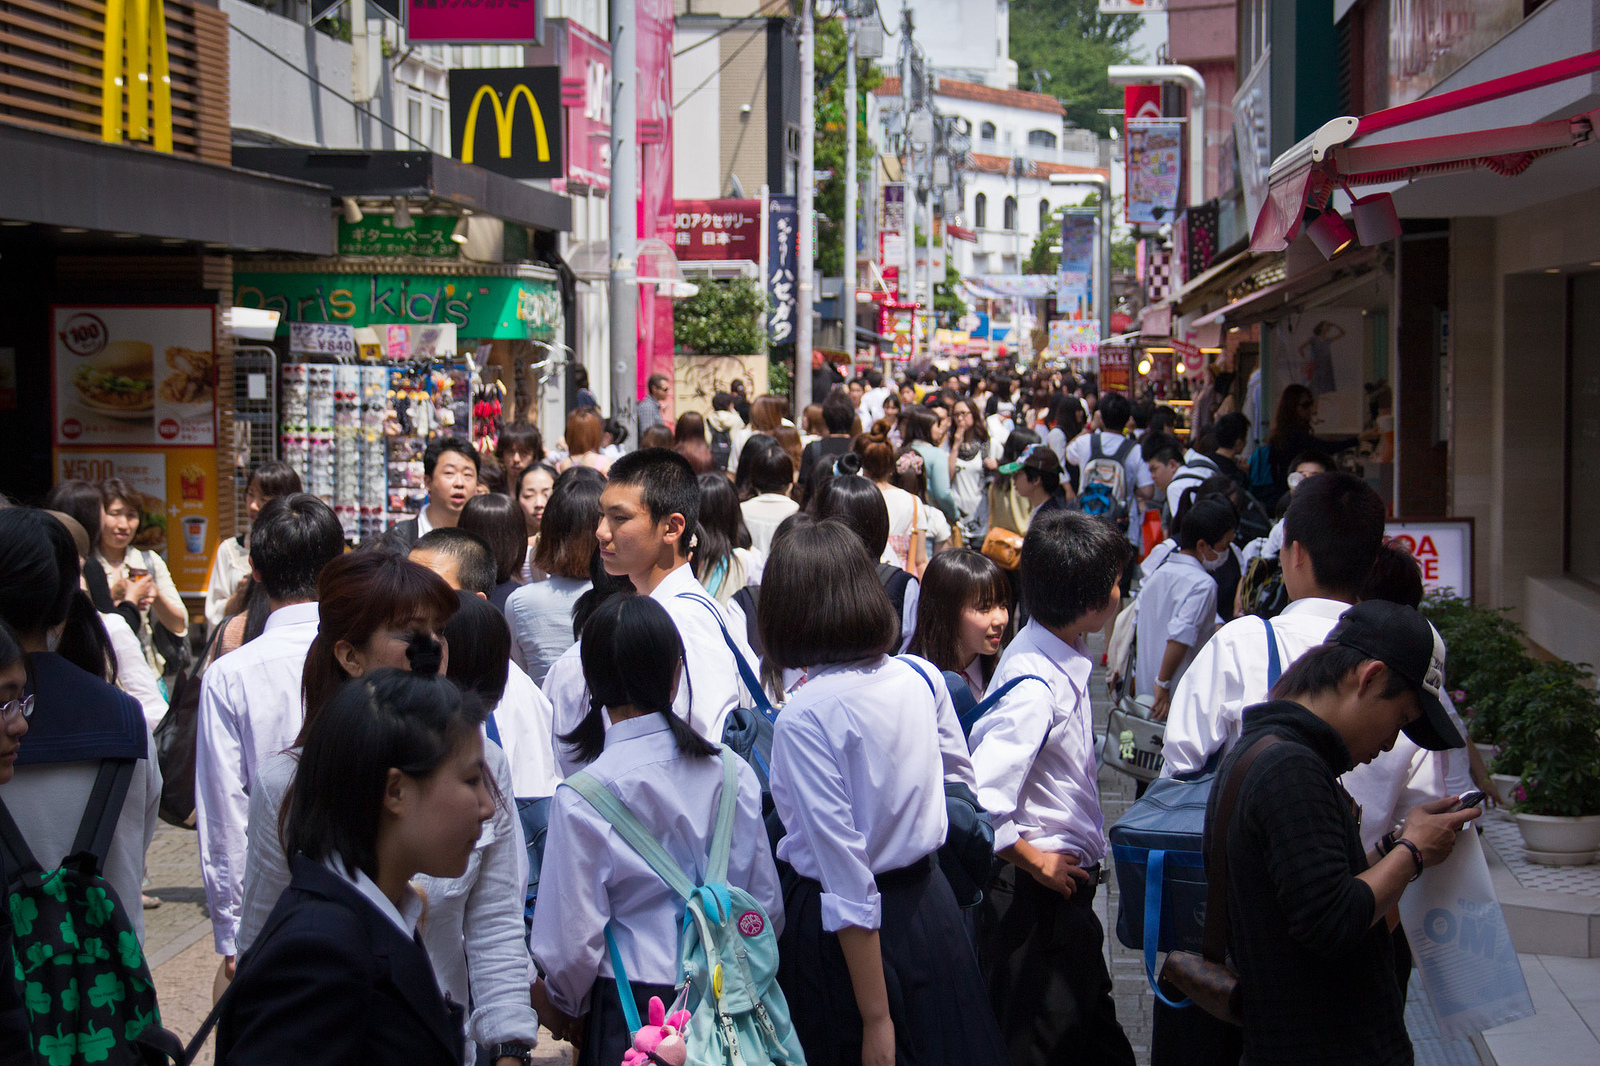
[
  {"x": 502, "y": 525},
  {"x": 585, "y": 433},
  {"x": 672, "y": 781},
  {"x": 925, "y": 431},
  {"x": 540, "y": 614},
  {"x": 390, "y": 784},
  {"x": 962, "y": 616},
  {"x": 1292, "y": 436},
  {"x": 891, "y": 417},
  {"x": 767, "y": 413},
  {"x": 969, "y": 445},
  {"x": 722, "y": 557},
  {"x": 859, "y": 504},
  {"x": 689, "y": 437},
  {"x": 766, "y": 476},
  {"x": 878, "y": 466},
  {"x": 858, "y": 774},
  {"x": 532, "y": 490}
]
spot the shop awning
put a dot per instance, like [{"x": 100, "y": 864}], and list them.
[
  {"x": 415, "y": 175},
  {"x": 1344, "y": 153},
  {"x": 71, "y": 181},
  {"x": 1270, "y": 300}
]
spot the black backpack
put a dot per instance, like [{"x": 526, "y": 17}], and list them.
[{"x": 721, "y": 448}]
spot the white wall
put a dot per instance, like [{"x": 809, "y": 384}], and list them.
[
  {"x": 696, "y": 122},
  {"x": 269, "y": 99}
]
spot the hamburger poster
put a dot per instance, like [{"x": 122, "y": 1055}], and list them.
[{"x": 135, "y": 376}]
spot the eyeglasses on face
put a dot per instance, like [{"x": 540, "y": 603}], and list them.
[{"x": 11, "y": 710}]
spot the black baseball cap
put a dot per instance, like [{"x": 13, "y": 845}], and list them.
[{"x": 1406, "y": 642}]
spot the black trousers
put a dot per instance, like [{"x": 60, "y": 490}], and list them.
[
  {"x": 1191, "y": 1037},
  {"x": 1042, "y": 957}
]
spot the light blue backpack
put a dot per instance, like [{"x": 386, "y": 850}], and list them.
[{"x": 727, "y": 951}]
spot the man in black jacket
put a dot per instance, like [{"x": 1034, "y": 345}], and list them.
[{"x": 1306, "y": 902}]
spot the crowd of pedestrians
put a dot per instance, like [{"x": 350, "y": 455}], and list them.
[{"x": 522, "y": 760}]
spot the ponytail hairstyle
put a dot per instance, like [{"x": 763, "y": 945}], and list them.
[
  {"x": 407, "y": 720},
  {"x": 632, "y": 657},
  {"x": 877, "y": 454},
  {"x": 84, "y": 641}
]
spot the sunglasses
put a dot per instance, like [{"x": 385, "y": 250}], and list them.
[{"x": 11, "y": 710}]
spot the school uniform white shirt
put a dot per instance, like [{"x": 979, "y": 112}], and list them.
[
  {"x": 763, "y": 515},
  {"x": 1137, "y": 471},
  {"x": 712, "y": 687},
  {"x": 1230, "y": 674},
  {"x": 857, "y": 775},
  {"x": 1034, "y": 751},
  {"x": 231, "y": 564},
  {"x": 872, "y": 406},
  {"x": 1190, "y": 476},
  {"x": 403, "y": 918},
  {"x": 591, "y": 876},
  {"x": 1178, "y": 602},
  {"x": 250, "y": 708},
  {"x": 522, "y": 718}
]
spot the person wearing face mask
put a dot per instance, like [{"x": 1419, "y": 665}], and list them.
[{"x": 1178, "y": 603}]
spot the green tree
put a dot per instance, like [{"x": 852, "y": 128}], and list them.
[
  {"x": 1072, "y": 42},
  {"x": 831, "y": 143},
  {"x": 723, "y": 318}
]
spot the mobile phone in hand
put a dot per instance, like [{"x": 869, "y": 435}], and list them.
[{"x": 1471, "y": 799}]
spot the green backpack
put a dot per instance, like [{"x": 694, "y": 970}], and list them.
[
  {"x": 81, "y": 970},
  {"x": 727, "y": 951}
]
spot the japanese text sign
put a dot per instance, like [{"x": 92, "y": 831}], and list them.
[
  {"x": 717, "y": 229},
  {"x": 783, "y": 250}
]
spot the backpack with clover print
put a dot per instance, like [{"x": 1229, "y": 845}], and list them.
[{"x": 80, "y": 969}]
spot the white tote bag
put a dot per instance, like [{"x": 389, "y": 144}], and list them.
[{"x": 1461, "y": 945}]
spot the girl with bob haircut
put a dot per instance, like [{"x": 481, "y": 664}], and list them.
[
  {"x": 540, "y": 614},
  {"x": 585, "y": 430},
  {"x": 963, "y": 616},
  {"x": 500, "y": 522},
  {"x": 671, "y": 780},
  {"x": 391, "y": 784},
  {"x": 226, "y": 589},
  {"x": 859, "y": 759},
  {"x": 860, "y": 505},
  {"x": 722, "y": 557}
]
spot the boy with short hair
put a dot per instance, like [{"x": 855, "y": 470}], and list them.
[
  {"x": 463, "y": 559},
  {"x": 648, "y": 512},
  {"x": 450, "y": 472},
  {"x": 1040, "y": 943}
]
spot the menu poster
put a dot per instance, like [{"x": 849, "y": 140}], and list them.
[
  {"x": 134, "y": 376},
  {"x": 178, "y": 503}
]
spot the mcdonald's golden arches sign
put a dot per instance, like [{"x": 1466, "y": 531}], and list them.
[{"x": 508, "y": 120}]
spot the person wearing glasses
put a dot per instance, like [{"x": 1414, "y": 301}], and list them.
[{"x": 15, "y": 708}]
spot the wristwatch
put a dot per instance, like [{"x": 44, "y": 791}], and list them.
[
  {"x": 512, "y": 1050},
  {"x": 1164, "y": 686}
]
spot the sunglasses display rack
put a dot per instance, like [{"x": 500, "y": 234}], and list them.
[
  {"x": 331, "y": 432},
  {"x": 426, "y": 400}
]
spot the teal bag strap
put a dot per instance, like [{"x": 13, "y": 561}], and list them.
[
  {"x": 629, "y": 828},
  {"x": 630, "y": 1009},
  {"x": 1155, "y": 874},
  {"x": 722, "y": 836},
  {"x": 1274, "y": 666}
]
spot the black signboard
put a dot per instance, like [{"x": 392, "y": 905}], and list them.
[{"x": 508, "y": 120}]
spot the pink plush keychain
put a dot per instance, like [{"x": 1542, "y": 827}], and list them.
[{"x": 661, "y": 1042}]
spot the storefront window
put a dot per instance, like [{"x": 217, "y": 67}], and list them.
[{"x": 1583, "y": 431}]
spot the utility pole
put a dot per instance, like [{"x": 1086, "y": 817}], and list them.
[
  {"x": 908, "y": 269},
  {"x": 806, "y": 283},
  {"x": 848, "y": 295},
  {"x": 624, "y": 291}
]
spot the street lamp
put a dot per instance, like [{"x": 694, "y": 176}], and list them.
[{"x": 1191, "y": 80}]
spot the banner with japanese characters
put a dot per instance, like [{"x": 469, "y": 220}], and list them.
[
  {"x": 1155, "y": 167},
  {"x": 1075, "y": 282},
  {"x": 782, "y": 270},
  {"x": 717, "y": 229}
]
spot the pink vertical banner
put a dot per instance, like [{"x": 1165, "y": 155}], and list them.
[{"x": 654, "y": 59}]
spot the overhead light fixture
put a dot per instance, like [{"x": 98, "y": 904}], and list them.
[
  {"x": 1144, "y": 367},
  {"x": 352, "y": 210},
  {"x": 1180, "y": 370},
  {"x": 459, "y": 233},
  {"x": 73, "y": 229},
  {"x": 1376, "y": 219},
  {"x": 402, "y": 215},
  {"x": 1331, "y": 234}
]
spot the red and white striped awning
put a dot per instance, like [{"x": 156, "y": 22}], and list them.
[{"x": 1338, "y": 154}]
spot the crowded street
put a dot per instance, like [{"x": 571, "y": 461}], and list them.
[{"x": 800, "y": 532}]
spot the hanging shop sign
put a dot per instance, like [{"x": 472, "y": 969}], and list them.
[
  {"x": 1443, "y": 549},
  {"x": 134, "y": 376},
  {"x": 783, "y": 251},
  {"x": 1075, "y": 340},
  {"x": 475, "y": 22},
  {"x": 1154, "y": 170},
  {"x": 428, "y": 237},
  {"x": 479, "y": 307},
  {"x": 177, "y": 489},
  {"x": 717, "y": 229},
  {"x": 586, "y": 93},
  {"x": 508, "y": 120},
  {"x": 1074, "y": 284}
]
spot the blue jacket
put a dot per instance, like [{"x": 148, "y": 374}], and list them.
[{"x": 331, "y": 980}]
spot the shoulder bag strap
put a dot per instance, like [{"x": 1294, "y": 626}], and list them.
[
  {"x": 722, "y": 836},
  {"x": 633, "y": 831},
  {"x": 1215, "y": 944},
  {"x": 758, "y": 695},
  {"x": 1094, "y": 447},
  {"x": 1125, "y": 448},
  {"x": 14, "y": 849},
  {"x": 104, "y": 809},
  {"x": 1274, "y": 664},
  {"x": 987, "y": 704}
]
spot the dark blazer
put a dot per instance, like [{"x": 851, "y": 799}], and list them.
[
  {"x": 331, "y": 980},
  {"x": 401, "y": 536}
]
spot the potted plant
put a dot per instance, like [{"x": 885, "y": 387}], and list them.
[
  {"x": 1550, "y": 735},
  {"x": 1485, "y": 655}
]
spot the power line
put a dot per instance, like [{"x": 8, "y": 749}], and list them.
[
  {"x": 760, "y": 13},
  {"x": 324, "y": 85},
  {"x": 712, "y": 76}
]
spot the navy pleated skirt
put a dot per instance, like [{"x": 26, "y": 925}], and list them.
[{"x": 937, "y": 1001}]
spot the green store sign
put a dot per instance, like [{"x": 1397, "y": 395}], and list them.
[
  {"x": 428, "y": 236},
  {"x": 484, "y": 308}
]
